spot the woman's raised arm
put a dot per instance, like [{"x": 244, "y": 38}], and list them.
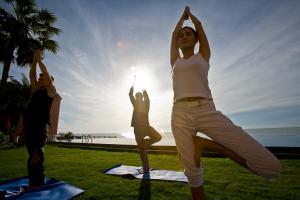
[
  {"x": 131, "y": 97},
  {"x": 51, "y": 90},
  {"x": 204, "y": 45},
  {"x": 32, "y": 72},
  {"x": 174, "y": 52}
]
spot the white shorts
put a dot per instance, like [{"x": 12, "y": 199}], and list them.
[{"x": 190, "y": 117}]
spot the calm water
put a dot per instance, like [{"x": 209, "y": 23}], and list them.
[{"x": 287, "y": 137}]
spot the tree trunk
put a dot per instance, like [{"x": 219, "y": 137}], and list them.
[
  {"x": 5, "y": 71},
  {"x": 5, "y": 122}
]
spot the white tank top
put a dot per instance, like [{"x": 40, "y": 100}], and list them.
[{"x": 190, "y": 77}]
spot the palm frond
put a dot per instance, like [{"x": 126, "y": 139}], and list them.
[
  {"x": 25, "y": 29},
  {"x": 25, "y": 51},
  {"x": 9, "y": 1},
  {"x": 4, "y": 14},
  {"x": 26, "y": 5},
  {"x": 51, "y": 46},
  {"x": 46, "y": 16},
  {"x": 53, "y": 30}
]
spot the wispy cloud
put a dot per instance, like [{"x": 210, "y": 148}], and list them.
[
  {"x": 260, "y": 67},
  {"x": 254, "y": 64}
]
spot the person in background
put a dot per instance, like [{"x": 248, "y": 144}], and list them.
[
  {"x": 145, "y": 135},
  {"x": 37, "y": 120}
]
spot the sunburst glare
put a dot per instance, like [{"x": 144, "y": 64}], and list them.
[{"x": 141, "y": 78}]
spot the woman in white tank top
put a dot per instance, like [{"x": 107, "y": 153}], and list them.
[{"x": 194, "y": 111}]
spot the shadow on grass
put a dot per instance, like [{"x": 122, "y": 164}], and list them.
[
  {"x": 145, "y": 190},
  {"x": 145, "y": 187}
]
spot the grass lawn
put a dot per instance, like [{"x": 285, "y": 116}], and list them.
[{"x": 223, "y": 179}]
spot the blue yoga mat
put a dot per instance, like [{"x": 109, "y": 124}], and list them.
[
  {"x": 54, "y": 190},
  {"x": 155, "y": 174}
]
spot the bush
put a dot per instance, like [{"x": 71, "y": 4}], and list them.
[
  {"x": 4, "y": 138},
  {"x": 68, "y": 136},
  {"x": 15, "y": 96}
]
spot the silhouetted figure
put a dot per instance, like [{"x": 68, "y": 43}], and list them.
[
  {"x": 142, "y": 128},
  {"x": 194, "y": 110},
  {"x": 37, "y": 121}
]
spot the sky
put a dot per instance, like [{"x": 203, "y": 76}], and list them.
[{"x": 254, "y": 67}]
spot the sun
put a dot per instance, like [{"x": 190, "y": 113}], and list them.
[{"x": 141, "y": 78}]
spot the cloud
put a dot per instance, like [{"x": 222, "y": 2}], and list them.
[
  {"x": 248, "y": 69},
  {"x": 259, "y": 68},
  {"x": 254, "y": 63}
]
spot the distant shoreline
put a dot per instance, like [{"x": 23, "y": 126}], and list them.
[
  {"x": 273, "y": 137},
  {"x": 169, "y": 131}
]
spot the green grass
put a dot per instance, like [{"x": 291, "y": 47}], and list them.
[{"x": 223, "y": 179}]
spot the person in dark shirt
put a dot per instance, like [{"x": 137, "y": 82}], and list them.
[
  {"x": 37, "y": 120},
  {"x": 145, "y": 135}
]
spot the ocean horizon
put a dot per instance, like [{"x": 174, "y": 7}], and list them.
[{"x": 276, "y": 137}]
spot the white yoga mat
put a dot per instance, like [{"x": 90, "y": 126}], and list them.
[{"x": 155, "y": 174}]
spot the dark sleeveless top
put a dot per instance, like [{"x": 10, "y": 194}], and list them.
[
  {"x": 140, "y": 113},
  {"x": 37, "y": 117}
]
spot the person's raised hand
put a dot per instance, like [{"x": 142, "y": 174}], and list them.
[
  {"x": 188, "y": 11},
  {"x": 184, "y": 15},
  {"x": 131, "y": 89}
]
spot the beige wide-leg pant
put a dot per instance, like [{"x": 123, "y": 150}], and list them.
[{"x": 190, "y": 117}]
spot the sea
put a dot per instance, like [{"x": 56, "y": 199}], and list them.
[{"x": 271, "y": 137}]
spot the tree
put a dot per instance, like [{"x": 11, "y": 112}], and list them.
[
  {"x": 22, "y": 31},
  {"x": 68, "y": 136},
  {"x": 15, "y": 96}
]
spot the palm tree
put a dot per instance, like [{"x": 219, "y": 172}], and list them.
[
  {"x": 22, "y": 31},
  {"x": 15, "y": 96}
]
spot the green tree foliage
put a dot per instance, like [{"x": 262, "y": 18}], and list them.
[
  {"x": 22, "y": 30},
  {"x": 68, "y": 136},
  {"x": 15, "y": 96}
]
